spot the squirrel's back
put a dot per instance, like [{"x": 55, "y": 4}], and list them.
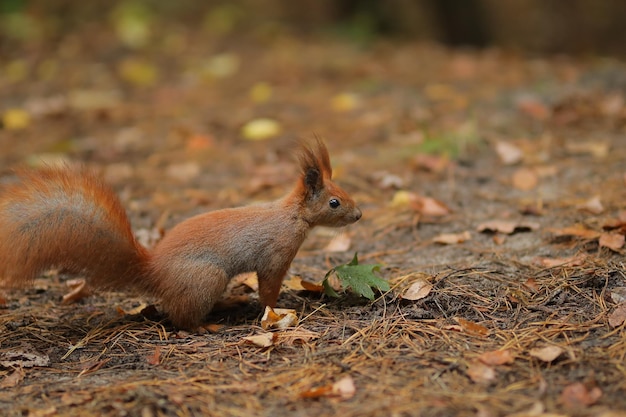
[{"x": 66, "y": 218}]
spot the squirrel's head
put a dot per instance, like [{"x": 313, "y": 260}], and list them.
[{"x": 324, "y": 202}]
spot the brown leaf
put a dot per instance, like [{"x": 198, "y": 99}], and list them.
[
  {"x": 506, "y": 226},
  {"x": 531, "y": 284},
  {"x": 155, "y": 358},
  {"x": 12, "y": 380},
  {"x": 79, "y": 290},
  {"x": 418, "y": 290},
  {"x": 431, "y": 207},
  {"x": 339, "y": 243},
  {"x": 593, "y": 205},
  {"x": 525, "y": 179},
  {"x": 278, "y": 318},
  {"x": 577, "y": 395},
  {"x": 575, "y": 260},
  {"x": 509, "y": 154},
  {"x": 471, "y": 327},
  {"x": 261, "y": 340},
  {"x": 293, "y": 336},
  {"x": 481, "y": 373},
  {"x": 618, "y": 316},
  {"x": 24, "y": 356},
  {"x": 546, "y": 353},
  {"x": 310, "y": 286},
  {"x": 452, "y": 238},
  {"x": 576, "y": 231},
  {"x": 613, "y": 241},
  {"x": 534, "y": 108},
  {"x": 497, "y": 357}
]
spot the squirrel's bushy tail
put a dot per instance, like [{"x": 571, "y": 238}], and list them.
[{"x": 70, "y": 219}]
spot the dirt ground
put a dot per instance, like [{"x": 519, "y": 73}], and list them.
[{"x": 494, "y": 181}]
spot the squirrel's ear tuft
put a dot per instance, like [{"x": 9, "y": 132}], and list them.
[{"x": 314, "y": 166}]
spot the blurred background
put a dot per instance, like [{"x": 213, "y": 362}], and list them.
[{"x": 533, "y": 26}]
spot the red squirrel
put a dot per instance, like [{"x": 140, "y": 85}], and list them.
[{"x": 69, "y": 218}]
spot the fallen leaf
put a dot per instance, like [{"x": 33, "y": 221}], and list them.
[
  {"x": 509, "y": 154},
  {"x": 618, "y": 316},
  {"x": 261, "y": 340},
  {"x": 339, "y": 243},
  {"x": 546, "y": 353},
  {"x": 278, "y": 318},
  {"x": 138, "y": 72},
  {"x": 497, "y": 357},
  {"x": 618, "y": 295},
  {"x": 260, "y": 92},
  {"x": 13, "y": 379},
  {"x": 596, "y": 149},
  {"x": 344, "y": 102},
  {"x": 577, "y": 395},
  {"x": 431, "y": 207},
  {"x": 576, "y": 231},
  {"x": 24, "y": 356},
  {"x": 418, "y": 290},
  {"x": 221, "y": 65},
  {"x": 531, "y": 284},
  {"x": 260, "y": 129},
  {"x": 293, "y": 336},
  {"x": 593, "y": 205},
  {"x": 481, "y": 373},
  {"x": 506, "y": 226},
  {"x": 525, "y": 179},
  {"x": 432, "y": 163},
  {"x": 15, "y": 119},
  {"x": 155, "y": 357},
  {"x": 452, "y": 238},
  {"x": 613, "y": 241},
  {"x": 79, "y": 290},
  {"x": 534, "y": 108},
  {"x": 471, "y": 327},
  {"x": 575, "y": 260},
  {"x": 184, "y": 172},
  {"x": 310, "y": 286},
  {"x": 344, "y": 388}
]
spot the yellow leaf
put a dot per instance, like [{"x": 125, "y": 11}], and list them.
[
  {"x": 15, "y": 119},
  {"x": 344, "y": 102},
  {"x": 261, "y": 92},
  {"x": 260, "y": 129}
]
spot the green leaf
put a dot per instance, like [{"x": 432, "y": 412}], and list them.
[{"x": 359, "y": 278}]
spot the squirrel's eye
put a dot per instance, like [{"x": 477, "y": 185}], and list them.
[{"x": 334, "y": 203}]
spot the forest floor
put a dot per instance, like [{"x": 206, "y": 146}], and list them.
[{"x": 493, "y": 190}]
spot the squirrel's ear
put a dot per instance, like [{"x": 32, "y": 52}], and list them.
[{"x": 313, "y": 180}]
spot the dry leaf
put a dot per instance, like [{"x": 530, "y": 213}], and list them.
[
  {"x": 79, "y": 290},
  {"x": 183, "y": 172},
  {"x": 13, "y": 379},
  {"x": 471, "y": 327},
  {"x": 534, "y": 108},
  {"x": 261, "y": 340},
  {"x": 525, "y": 179},
  {"x": 546, "y": 353},
  {"x": 618, "y": 295},
  {"x": 618, "y": 316},
  {"x": 497, "y": 357},
  {"x": 278, "y": 318},
  {"x": 575, "y": 260},
  {"x": 260, "y": 129},
  {"x": 481, "y": 373},
  {"x": 577, "y": 395},
  {"x": 344, "y": 388},
  {"x": 431, "y": 207},
  {"x": 531, "y": 284},
  {"x": 596, "y": 149},
  {"x": 418, "y": 290},
  {"x": 452, "y": 238},
  {"x": 339, "y": 243},
  {"x": 506, "y": 226},
  {"x": 593, "y": 205},
  {"x": 291, "y": 337},
  {"x": 25, "y": 356},
  {"x": 155, "y": 358},
  {"x": 310, "y": 286},
  {"x": 613, "y": 241},
  {"x": 509, "y": 154},
  {"x": 432, "y": 163},
  {"x": 576, "y": 231}
]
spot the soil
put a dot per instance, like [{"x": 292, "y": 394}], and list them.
[{"x": 527, "y": 321}]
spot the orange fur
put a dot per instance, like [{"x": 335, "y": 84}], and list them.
[{"x": 69, "y": 218}]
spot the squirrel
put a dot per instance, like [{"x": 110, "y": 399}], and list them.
[{"x": 69, "y": 218}]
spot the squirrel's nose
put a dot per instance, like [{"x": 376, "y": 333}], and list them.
[{"x": 357, "y": 214}]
